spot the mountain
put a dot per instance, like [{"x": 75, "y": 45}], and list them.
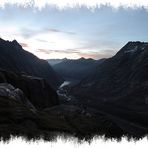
[
  {"x": 14, "y": 58},
  {"x": 121, "y": 79},
  {"x": 111, "y": 101},
  {"x": 76, "y": 69},
  {"x": 55, "y": 61}
]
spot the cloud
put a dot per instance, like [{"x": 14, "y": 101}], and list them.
[
  {"x": 97, "y": 54},
  {"x": 93, "y": 55},
  {"x": 60, "y": 31},
  {"x": 80, "y": 53},
  {"x": 41, "y": 40},
  {"x": 66, "y": 51},
  {"x": 24, "y": 44},
  {"x": 28, "y": 33},
  {"x": 76, "y": 3}
]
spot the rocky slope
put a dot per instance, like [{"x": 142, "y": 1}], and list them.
[
  {"x": 76, "y": 69},
  {"x": 14, "y": 58},
  {"x": 36, "y": 89},
  {"x": 121, "y": 79},
  {"x": 53, "y": 62},
  {"x": 18, "y": 117}
]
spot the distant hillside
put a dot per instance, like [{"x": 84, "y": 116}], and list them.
[
  {"x": 121, "y": 79},
  {"x": 55, "y": 61},
  {"x": 14, "y": 58},
  {"x": 76, "y": 69}
]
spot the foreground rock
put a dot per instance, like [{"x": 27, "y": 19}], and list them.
[
  {"x": 16, "y": 94},
  {"x": 15, "y": 112},
  {"x": 18, "y": 117},
  {"x": 37, "y": 90}
]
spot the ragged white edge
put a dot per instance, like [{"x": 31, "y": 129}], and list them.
[{"x": 90, "y": 4}]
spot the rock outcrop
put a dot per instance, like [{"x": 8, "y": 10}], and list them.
[
  {"x": 16, "y": 94},
  {"x": 36, "y": 89}
]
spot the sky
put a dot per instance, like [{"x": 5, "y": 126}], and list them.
[{"x": 52, "y": 31}]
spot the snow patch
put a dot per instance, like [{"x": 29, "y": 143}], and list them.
[
  {"x": 144, "y": 46},
  {"x": 131, "y": 50}
]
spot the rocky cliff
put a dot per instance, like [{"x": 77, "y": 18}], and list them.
[{"x": 36, "y": 89}]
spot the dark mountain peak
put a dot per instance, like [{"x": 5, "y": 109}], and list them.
[
  {"x": 91, "y": 59},
  {"x": 64, "y": 60},
  {"x": 76, "y": 69},
  {"x": 133, "y": 47},
  {"x": 85, "y": 59},
  {"x": 139, "y": 44},
  {"x": 15, "y": 41},
  {"x": 14, "y": 58},
  {"x": 1, "y": 40},
  {"x": 135, "y": 42},
  {"x": 10, "y": 44},
  {"x": 124, "y": 73},
  {"x": 82, "y": 58},
  {"x": 16, "y": 44}
]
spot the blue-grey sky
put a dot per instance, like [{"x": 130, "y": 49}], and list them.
[{"x": 73, "y": 32}]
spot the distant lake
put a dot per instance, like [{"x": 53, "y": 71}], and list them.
[
  {"x": 69, "y": 81},
  {"x": 65, "y": 83}
]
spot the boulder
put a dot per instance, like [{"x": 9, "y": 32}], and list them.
[
  {"x": 36, "y": 89},
  {"x": 12, "y": 93}
]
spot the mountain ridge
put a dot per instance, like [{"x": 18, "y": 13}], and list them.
[
  {"x": 118, "y": 76},
  {"x": 22, "y": 61},
  {"x": 76, "y": 68}
]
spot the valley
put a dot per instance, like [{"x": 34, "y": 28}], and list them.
[{"x": 83, "y": 97}]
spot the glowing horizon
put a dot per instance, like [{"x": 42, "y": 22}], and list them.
[{"x": 73, "y": 29}]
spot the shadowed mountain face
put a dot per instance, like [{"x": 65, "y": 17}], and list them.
[
  {"x": 14, "y": 58},
  {"x": 53, "y": 62},
  {"x": 36, "y": 89},
  {"x": 121, "y": 79},
  {"x": 76, "y": 69}
]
